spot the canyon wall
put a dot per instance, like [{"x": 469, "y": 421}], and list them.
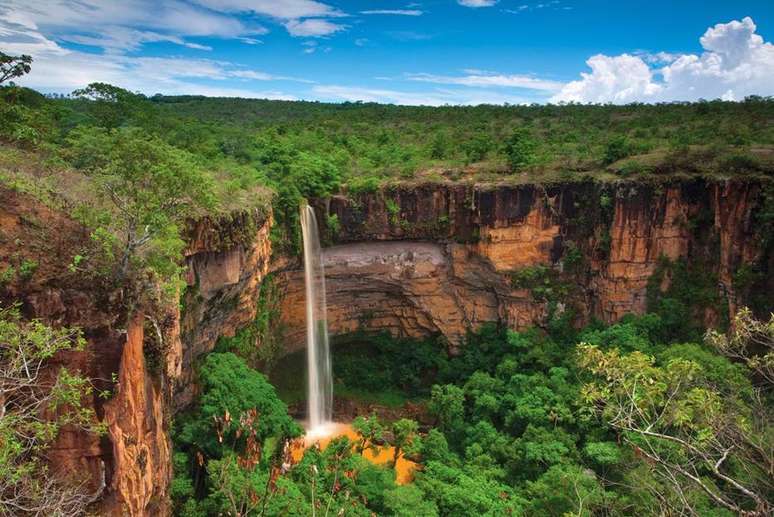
[
  {"x": 414, "y": 260},
  {"x": 443, "y": 259},
  {"x": 140, "y": 353}
]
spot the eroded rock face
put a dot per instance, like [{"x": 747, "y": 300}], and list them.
[
  {"x": 141, "y": 455},
  {"x": 127, "y": 471},
  {"x": 224, "y": 283},
  {"x": 406, "y": 287},
  {"x": 453, "y": 249}
]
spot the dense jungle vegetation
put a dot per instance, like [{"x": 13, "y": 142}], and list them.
[
  {"x": 618, "y": 420},
  {"x": 650, "y": 416}
]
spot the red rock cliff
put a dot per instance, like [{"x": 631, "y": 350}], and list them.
[
  {"x": 130, "y": 467},
  {"x": 454, "y": 248}
]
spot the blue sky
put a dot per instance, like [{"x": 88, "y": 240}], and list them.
[{"x": 425, "y": 52}]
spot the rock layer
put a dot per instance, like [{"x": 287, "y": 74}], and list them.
[{"x": 455, "y": 248}]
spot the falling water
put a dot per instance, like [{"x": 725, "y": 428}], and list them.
[{"x": 320, "y": 385}]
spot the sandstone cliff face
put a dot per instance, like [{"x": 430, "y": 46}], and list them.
[
  {"x": 455, "y": 247},
  {"x": 138, "y": 434},
  {"x": 226, "y": 263},
  {"x": 128, "y": 470}
]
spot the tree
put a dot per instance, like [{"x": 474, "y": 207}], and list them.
[
  {"x": 110, "y": 105},
  {"x": 565, "y": 490},
  {"x": 231, "y": 389},
  {"x": 520, "y": 148},
  {"x": 151, "y": 186},
  {"x": 409, "y": 501},
  {"x": 12, "y": 67},
  {"x": 370, "y": 431},
  {"x": 35, "y": 403},
  {"x": 477, "y": 146},
  {"x": 447, "y": 403},
  {"x": 404, "y": 433},
  {"x": 616, "y": 149},
  {"x": 750, "y": 341},
  {"x": 695, "y": 434}
]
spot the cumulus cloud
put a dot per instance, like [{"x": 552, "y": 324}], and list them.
[
  {"x": 60, "y": 69},
  {"x": 477, "y": 3},
  {"x": 485, "y": 79},
  {"x": 312, "y": 28},
  {"x": 736, "y": 62}
]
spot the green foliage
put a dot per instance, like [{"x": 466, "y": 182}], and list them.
[
  {"x": 370, "y": 431},
  {"x": 407, "y": 365},
  {"x": 564, "y": 490},
  {"x": 31, "y": 384},
  {"x": 12, "y": 67},
  {"x": 259, "y": 343},
  {"x": 525, "y": 423},
  {"x": 151, "y": 186},
  {"x": 409, "y": 501},
  {"x": 456, "y": 492},
  {"x": 690, "y": 415},
  {"x": 477, "y": 146},
  {"x": 692, "y": 290},
  {"x": 520, "y": 149},
  {"x": 616, "y": 149},
  {"x": 230, "y": 386}
]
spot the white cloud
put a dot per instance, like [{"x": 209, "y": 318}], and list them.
[
  {"x": 484, "y": 79},
  {"x": 553, "y": 4},
  {"x": 117, "y": 27},
  {"x": 123, "y": 39},
  {"x": 434, "y": 98},
  {"x": 282, "y": 9},
  {"x": 398, "y": 12},
  {"x": 172, "y": 16},
  {"x": 263, "y": 76},
  {"x": 361, "y": 42},
  {"x": 616, "y": 79},
  {"x": 302, "y": 18},
  {"x": 477, "y": 3},
  {"x": 312, "y": 28},
  {"x": 61, "y": 70},
  {"x": 736, "y": 62}
]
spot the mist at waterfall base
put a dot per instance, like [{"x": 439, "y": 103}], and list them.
[{"x": 319, "y": 371}]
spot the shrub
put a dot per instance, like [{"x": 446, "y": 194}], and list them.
[
  {"x": 520, "y": 149},
  {"x": 616, "y": 149}
]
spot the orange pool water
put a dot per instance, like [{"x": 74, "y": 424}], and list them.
[{"x": 404, "y": 469}]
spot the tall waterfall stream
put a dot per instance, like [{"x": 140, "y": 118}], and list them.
[{"x": 320, "y": 382}]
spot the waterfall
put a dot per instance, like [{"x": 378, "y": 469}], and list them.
[{"x": 320, "y": 383}]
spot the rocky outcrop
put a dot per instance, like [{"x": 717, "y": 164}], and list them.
[
  {"x": 409, "y": 288},
  {"x": 141, "y": 456},
  {"x": 455, "y": 250},
  {"x": 226, "y": 262},
  {"x": 142, "y": 355}
]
